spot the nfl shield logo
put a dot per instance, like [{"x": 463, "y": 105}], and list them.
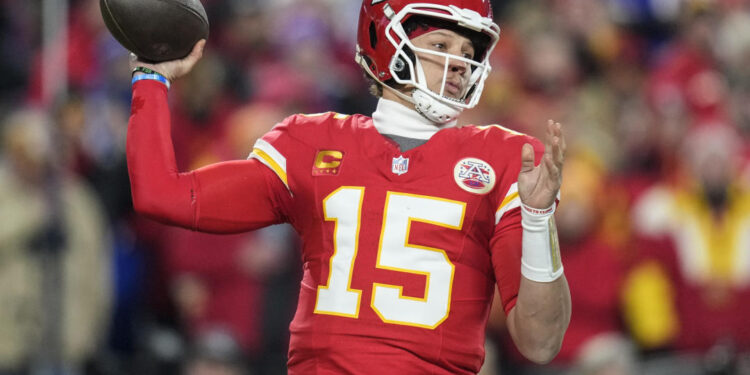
[{"x": 400, "y": 165}]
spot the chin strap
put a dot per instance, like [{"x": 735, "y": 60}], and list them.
[{"x": 434, "y": 110}]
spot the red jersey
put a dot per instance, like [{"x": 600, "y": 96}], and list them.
[{"x": 401, "y": 250}]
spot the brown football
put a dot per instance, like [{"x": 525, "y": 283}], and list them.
[{"x": 156, "y": 30}]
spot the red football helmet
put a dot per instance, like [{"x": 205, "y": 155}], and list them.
[{"x": 385, "y": 51}]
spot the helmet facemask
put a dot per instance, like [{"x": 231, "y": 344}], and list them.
[{"x": 406, "y": 67}]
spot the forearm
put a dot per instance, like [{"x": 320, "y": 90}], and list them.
[
  {"x": 159, "y": 191},
  {"x": 540, "y": 318},
  {"x": 542, "y": 311},
  {"x": 228, "y": 197}
]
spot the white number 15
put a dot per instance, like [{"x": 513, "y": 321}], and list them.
[{"x": 344, "y": 207}]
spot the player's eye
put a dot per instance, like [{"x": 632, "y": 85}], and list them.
[
  {"x": 468, "y": 52},
  {"x": 439, "y": 46}
]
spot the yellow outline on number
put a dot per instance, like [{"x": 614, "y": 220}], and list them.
[
  {"x": 400, "y": 288},
  {"x": 335, "y": 251}
]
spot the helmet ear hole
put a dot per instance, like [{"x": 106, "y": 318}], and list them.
[
  {"x": 373, "y": 35},
  {"x": 401, "y": 67}
]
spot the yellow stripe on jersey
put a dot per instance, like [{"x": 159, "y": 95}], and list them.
[
  {"x": 507, "y": 199},
  {"x": 503, "y": 128},
  {"x": 336, "y": 115},
  {"x": 268, "y": 160},
  {"x": 511, "y": 201}
]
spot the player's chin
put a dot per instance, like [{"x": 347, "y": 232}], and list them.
[
  {"x": 453, "y": 91},
  {"x": 456, "y": 97},
  {"x": 448, "y": 94}
]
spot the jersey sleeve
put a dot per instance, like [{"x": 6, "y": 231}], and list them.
[
  {"x": 227, "y": 197},
  {"x": 505, "y": 244},
  {"x": 279, "y": 148},
  {"x": 272, "y": 148}
]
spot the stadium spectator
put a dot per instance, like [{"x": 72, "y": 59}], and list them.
[
  {"x": 49, "y": 226},
  {"x": 692, "y": 283}
]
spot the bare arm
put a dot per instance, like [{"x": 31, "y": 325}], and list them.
[{"x": 538, "y": 322}]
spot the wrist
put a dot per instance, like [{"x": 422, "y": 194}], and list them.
[
  {"x": 536, "y": 219},
  {"x": 143, "y": 73},
  {"x": 145, "y": 70},
  {"x": 540, "y": 259},
  {"x": 539, "y": 211}
]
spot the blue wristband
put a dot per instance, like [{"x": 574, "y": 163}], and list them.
[{"x": 154, "y": 77}]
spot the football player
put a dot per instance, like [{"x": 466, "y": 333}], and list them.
[{"x": 408, "y": 222}]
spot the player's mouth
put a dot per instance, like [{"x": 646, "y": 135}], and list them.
[{"x": 453, "y": 88}]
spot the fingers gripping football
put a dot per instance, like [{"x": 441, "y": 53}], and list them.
[
  {"x": 539, "y": 185},
  {"x": 173, "y": 69}
]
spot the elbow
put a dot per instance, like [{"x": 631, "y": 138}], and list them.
[
  {"x": 543, "y": 352},
  {"x": 539, "y": 321},
  {"x": 145, "y": 206},
  {"x": 169, "y": 201},
  {"x": 156, "y": 210},
  {"x": 540, "y": 343},
  {"x": 151, "y": 203},
  {"x": 163, "y": 205}
]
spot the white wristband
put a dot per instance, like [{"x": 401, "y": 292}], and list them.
[{"x": 540, "y": 257}]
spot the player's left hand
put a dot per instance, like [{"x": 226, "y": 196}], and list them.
[{"x": 538, "y": 185}]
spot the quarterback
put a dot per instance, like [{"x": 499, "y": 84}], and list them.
[{"x": 408, "y": 222}]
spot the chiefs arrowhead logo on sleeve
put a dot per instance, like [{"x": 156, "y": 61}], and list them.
[{"x": 474, "y": 175}]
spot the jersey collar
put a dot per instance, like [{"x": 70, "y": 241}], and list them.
[{"x": 394, "y": 118}]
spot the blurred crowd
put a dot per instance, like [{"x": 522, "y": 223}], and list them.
[{"x": 654, "y": 220}]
